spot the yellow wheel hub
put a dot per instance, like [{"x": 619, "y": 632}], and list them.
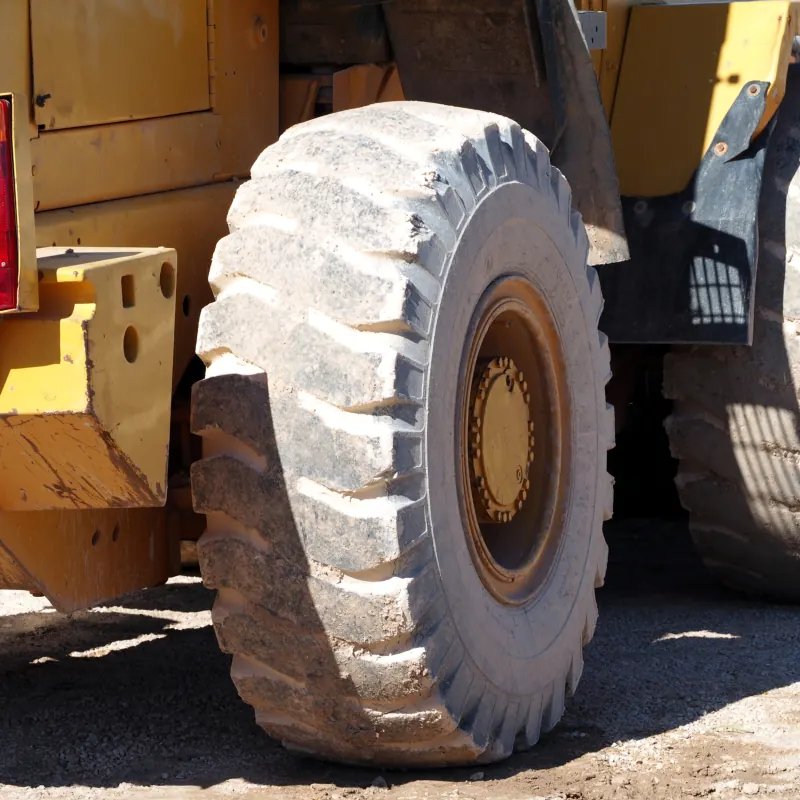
[
  {"x": 501, "y": 440},
  {"x": 514, "y": 505}
]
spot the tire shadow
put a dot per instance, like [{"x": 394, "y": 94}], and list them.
[{"x": 671, "y": 646}]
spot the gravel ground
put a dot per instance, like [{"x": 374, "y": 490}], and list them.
[{"x": 688, "y": 691}]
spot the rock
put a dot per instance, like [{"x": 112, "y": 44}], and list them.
[
  {"x": 750, "y": 788},
  {"x": 727, "y": 786},
  {"x": 476, "y": 776},
  {"x": 380, "y": 783}
]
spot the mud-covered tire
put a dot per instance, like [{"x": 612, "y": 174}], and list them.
[
  {"x": 359, "y": 628},
  {"x": 735, "y": 427}
]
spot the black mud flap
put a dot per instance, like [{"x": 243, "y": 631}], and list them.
[{"x": 692, "y": 270}]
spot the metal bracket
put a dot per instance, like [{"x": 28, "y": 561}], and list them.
[{"x": 593, "y": 24}]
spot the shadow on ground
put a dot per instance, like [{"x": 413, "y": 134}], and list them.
[{"x": 670, "y": 647}]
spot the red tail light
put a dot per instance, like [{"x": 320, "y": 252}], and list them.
[{"x": 9, "y": 264}]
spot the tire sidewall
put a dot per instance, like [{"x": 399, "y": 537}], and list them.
[{"x": 515, "y": 230}]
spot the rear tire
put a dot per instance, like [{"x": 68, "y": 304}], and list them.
[
  {"x": 359, "y": 626},
  {"x": 736, "y": 423}
]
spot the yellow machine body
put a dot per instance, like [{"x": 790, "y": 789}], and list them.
[
  {"x": 134, "y": 123},
  {"x": 682, "y": 68},
  {"x": 670, "y": 72},
  {"x": 119, "y": 162},
  {"x": 86, "y": 385}
]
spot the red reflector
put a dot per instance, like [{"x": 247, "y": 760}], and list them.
[{"x": 9, "y": 265}]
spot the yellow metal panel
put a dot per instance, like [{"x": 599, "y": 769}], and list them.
[
  {"x": 41, "y": 368},
  {"x": 78, "y": 559},
  {"x": 366, "y": 84},
  {"x": 85, "y": 383},
  {"x": 683, "y": 67},
  {"x": 15, "y": 52},
  {"x": 245, "y": 70},
  {"x": 89, "y": 165},
  {"x": 12, "y": 573},
  {"x": 103, "y": 61},
  {"x": 353, "y": 87},
  {"x": 98, "y": 162},
  {"x": 607, "y": 62},
  {"x": 28, "y": 289},
  {"x": 298, "y": 98},
  {"x": 617, "y": 14},
  {"x": 190, "y": 220}
]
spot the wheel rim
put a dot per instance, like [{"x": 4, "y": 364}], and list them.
[{"x": 515, "y": 440}]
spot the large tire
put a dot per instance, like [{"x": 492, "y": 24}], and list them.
[
  {"x": 735, "y": 425},
  {"x": 359, "y": 628}
]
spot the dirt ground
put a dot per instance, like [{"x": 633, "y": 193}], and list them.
[{"x": 688, "y": 691}]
